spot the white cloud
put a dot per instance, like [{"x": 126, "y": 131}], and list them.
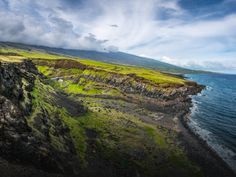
[
  {"x": 154, "y": 28},
  {"x": 173, "y": 61}
]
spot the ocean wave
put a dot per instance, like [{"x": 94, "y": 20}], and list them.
[
  {"x": 194, "y": 125},
  {"x": 213, "y": 115},
  {"x": 224, "y": 152},
  {"x": 194, "y": 109},
  {"x": 209, "y": 88}
]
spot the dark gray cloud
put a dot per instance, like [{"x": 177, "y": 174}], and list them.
[
  {"x": 11, "y": 28},
  {"x": 46, "y": 23},
  {"x": 114, "y": 25},
  {"x": 112, "y": 48},
  {"x": 61, "y": 23}
]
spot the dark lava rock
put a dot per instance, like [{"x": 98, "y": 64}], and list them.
[{"x": 31, "y": 143}]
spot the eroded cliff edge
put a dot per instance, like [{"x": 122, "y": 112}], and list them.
[
  {"x": 49, "y": 128},
  {"x": 28, "y": 133}
]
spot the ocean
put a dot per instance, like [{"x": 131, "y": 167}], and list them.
[{"x": 213, "y": 115}]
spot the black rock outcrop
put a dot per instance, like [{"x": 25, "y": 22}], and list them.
[{"x": 30, "y": 143}]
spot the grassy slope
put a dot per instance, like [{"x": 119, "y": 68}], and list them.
[
  {"x": 109, "y": 135},
  {"x": 110, "y": 57},
  {"x": 152, "y": 75},
  {"x": 120, "y": 139}
]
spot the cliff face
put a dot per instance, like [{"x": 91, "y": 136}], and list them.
[
  {"x": 16, "y": 84},
  {"x": 63, "y": 116},
  {"x": 128, "y": 83},
  {"x": 126, "y": 127},
  {"x": 23, "y": 138},
  {"x": 164, "y": 97}
]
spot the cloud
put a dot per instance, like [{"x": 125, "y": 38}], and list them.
[
  {"x": 90, "y": 42},
  {"x": 11, "y": 27},
  {"x": 112, "y": 48},
  {"x": 212, "y": 65},
  {"x": 173, "y": 61},
  {"x": 43, "y": 23},
  {"x": 185, "y": 32},
  {"x": 115, "y": 26}
]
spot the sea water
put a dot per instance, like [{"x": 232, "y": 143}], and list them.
[{"x": 213, "y": 115}]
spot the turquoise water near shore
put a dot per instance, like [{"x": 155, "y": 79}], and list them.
[{"x": 213, "y": 115}]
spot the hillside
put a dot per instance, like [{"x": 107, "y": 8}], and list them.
[
  {"x": 110, "y": 57},
  {"x": 65, "y": 116}
]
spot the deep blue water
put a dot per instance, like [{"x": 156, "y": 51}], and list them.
[{"x": 213, "y": 114}]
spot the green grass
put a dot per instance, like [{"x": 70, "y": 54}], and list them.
[
  {"x": 83, "y": 85},
  {"x": 151, "y": 132},
  {"x": 119, "y": 137},
  {"x": 123, "y": 134},
  {"x": 149, "y": 74},
  {"x": 38, "y": 54},
  {"x": 78, "y": 136},
  {"x": 45, "y": 70},
  {"x": 33, "y": 54},
  {"x": 94, "y": 82},
  {"x": 43, "y": 99},
  {"x": 152, "y": 75},
  {"x": 76, "y": 88}
]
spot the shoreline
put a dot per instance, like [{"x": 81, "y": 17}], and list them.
[{"x": 200, "y": 152}]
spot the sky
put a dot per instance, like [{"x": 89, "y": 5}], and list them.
[{"x": 197, "y": 34}]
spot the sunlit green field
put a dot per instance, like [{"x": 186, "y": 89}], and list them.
[
  {"x": 152, "y": 75},
  {"x": 119, "y": 136}
]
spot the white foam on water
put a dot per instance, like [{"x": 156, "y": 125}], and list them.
[
  {"x": 194, "y": 109},
  {"x": 225, "y": 153},
  {"x": 209, "y": 88}
]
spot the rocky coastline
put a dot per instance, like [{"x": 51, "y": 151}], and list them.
[
  {"x": 199, "y": 151},
  {"x": 23, "y": 142}
]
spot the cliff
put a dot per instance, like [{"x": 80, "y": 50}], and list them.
[
  {"x": 27, "y": 132},
  {"x": 63, "y": 116}
]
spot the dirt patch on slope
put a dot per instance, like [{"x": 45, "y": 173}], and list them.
[{"x": 74, "y": 108}]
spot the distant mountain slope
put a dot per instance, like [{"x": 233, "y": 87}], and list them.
[{"x": 110, "y": 57}]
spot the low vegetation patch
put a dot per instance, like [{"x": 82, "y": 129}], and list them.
[{"x": 107, "y": 135}]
